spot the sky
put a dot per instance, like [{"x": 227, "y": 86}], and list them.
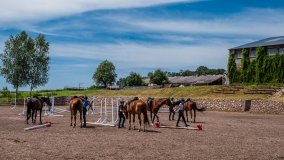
[{"x": 137, "y": 35}]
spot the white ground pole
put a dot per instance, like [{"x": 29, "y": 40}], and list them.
[
  {"x": 14, "y": 107},
  {"x": 24, "y": 109},
  {"x": 104, "y": 113}
]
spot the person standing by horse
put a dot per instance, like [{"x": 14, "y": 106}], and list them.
[
  {"x": 121, "y": 115},
  {"x": 181, "y": 115},
  {"x": 86, "y": 103},
  {"x": 91, "y": 107}
]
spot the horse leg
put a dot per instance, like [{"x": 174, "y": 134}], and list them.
[
  {"x": 40, "y": 116},
  {"x": 129, "y": 121},
  {"x": 81, "y": 119},
  {"x": 173, "y": 118},
  {"x": 139, "y": 119},
  {"x": 151, "y": 116},
  {"x": 190, "y": 111},
  {"x": 186, "y": 113},
  {"x": 134, "y": 121},
  {"x": 71, "y": 117},
  {"x": 75, "y": 117},
  {"x": 33, "y": 117},
  {"x": 157, "y": 118},
  {"x": 194, "y": 111}
]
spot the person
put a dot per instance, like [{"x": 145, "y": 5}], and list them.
[
  {"x": 180, "y": 111},
  {"x": 85, "y": 105},
  {"x": 171, "y": 109},
  {"x": 121, "y": 115},
  {"x": 91, "y": 107}
]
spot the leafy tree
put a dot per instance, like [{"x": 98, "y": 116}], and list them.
[
  {"x": 232, "y": 68},
  {"x": 5, "y": 92},
  {"x": 201, "y": 70},
  {"x": 134, "y": 79},
  {"x": 38, "y": 71},
  {"x": 105, "y": 74},
  {"x": 158, "y": 77},
  {"x": 15, "y": 60},
  {"x": 244, "y": 65},
  {"x": 122, "y": 82},
  {"x": 260, "y": 56}
]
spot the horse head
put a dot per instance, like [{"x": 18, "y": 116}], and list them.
[{"x": 46, "y": 100}]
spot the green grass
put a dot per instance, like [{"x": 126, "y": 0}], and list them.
[{"x": 192, "y": 92}]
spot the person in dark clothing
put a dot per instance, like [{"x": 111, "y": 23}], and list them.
[
  {"x": 85, "y": 106},
  {"x": 121, "y": 115},
  {"x": 181, "y": 115}
]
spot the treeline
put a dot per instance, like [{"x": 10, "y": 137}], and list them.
[
  {"x": 263, "y": 69},
  {"x": 201, "y": 70}
]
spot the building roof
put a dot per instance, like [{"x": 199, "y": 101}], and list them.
[
  {"x": 264, "y": 42},
  {"x": 206, "y": 79}
]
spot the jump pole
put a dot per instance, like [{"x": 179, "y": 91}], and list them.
[{"x": 38, "y": 126}]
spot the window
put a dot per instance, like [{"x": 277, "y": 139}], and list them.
[
  {"x": 252, "y": 53},
  {"x": 272, "y": 51},
  {"x": 239, "y": 54},
  {"x": 281, "y": 50}
]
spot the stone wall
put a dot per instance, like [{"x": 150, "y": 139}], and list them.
[{"x": 257, "y": 106}]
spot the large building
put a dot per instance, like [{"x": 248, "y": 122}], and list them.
[{"x": 272, "y": 46}]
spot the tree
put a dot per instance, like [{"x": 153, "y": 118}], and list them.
[
  {"x": 232, "y": 68},
  {"x": 201, "y": 70},
  {"x": 122, "y": 82},
  {"x": 134, "y": 79},
  {"x": 39, "y": 60},
  {"x": 244, "y": 65},
  {"x": 105, "y": 74},
  {"x": 15, "y": 60},
  {"x": 5, "y": 92},
  {"x": 158, "y": 77}
]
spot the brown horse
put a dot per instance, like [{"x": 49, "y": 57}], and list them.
[
  {"x": 190, "y": 105},
  {"x": 76, "y": 104},
  {"x": 33, "y": 105},
  {"x": 136, "y": 107},
  {"x": 155, "y": 104}
]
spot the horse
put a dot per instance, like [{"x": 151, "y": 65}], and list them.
[
  {"x": 136, "y": 107},
  {"x": 190, "y": 105},
  {"x": 154, "y": 105},
  {"x": 76, "y": 104},
  {"x": 33, "y": 105}
]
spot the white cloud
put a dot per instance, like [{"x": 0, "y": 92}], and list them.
[
  {"x": 249, "y": 22},
  {"x": 130, "y": 55},
  {"x": 38, "y": 10}
]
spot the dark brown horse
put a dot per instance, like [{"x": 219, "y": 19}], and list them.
[
  {"x": 76, "y": 104},
  {"x": 136, "y": 107},
  {"x": 190, "y": 105},
  {"x": 154, "y": 105},
  {"x": 33, "y": 105}
]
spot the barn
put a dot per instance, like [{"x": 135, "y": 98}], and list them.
[{"x": 197, "y": 80}]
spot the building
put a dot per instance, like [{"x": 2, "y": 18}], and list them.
[
  {"x": 197, "y": 80},
  {"x": 272, "y": 46}
]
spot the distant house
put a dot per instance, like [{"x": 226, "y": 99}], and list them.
[
  {"x": 197, "y": 80},
  {"x": 272, "y": 45}
]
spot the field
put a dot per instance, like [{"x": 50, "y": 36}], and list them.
[{"x": 225, "y": 135}]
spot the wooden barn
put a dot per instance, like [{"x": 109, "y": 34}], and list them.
[{"x": 197, "y": 80}]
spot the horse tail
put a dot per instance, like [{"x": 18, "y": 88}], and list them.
[
  {"x": 145, "y": 115},
  {"x": 198, "y": 109}
]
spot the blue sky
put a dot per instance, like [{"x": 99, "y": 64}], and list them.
[{"x": 138, "y": 35}]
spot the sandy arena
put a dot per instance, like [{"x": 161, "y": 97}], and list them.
[{"x": 225, "y": 135}]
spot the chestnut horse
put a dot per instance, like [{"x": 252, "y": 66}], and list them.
[
  {"x": 136, "y": 107},
  {"x": 76, "y": 104},
  {"x": 154, "y": 105},
  {"x": 33, "y": 105},
  {"x": 190, "y": 105}
]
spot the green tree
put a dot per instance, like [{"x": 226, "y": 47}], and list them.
[
  {"x": 5, "y": 92},
  {"x": 232, "y": 68},
  {"x": 38, "y": 66},
  {"x": 201, "y": 70},
  {"x": 105, "y": 74},
  {"x": 122, "y": 82},
  {"x": 158, "y": 77},
  {"x": 245, "y": 61},
  {"x": 15, "y": 60},
  {"x": 134, "y": 79},
  {"x": 260, "y": 56}
]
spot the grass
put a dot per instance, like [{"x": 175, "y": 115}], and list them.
[{"x": 192, "y": 92}]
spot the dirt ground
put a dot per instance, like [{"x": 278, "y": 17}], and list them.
[{"x": 225, "y": 135}]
